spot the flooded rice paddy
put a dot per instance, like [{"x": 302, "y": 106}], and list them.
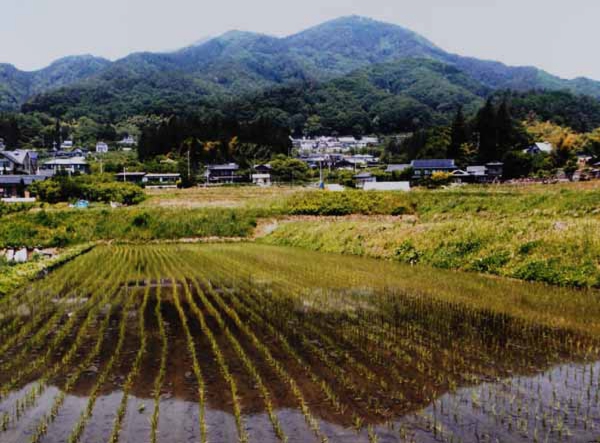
[{"x": 226, "y": 343}]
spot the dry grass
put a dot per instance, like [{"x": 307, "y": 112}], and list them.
[{"x": 220, "y": 197}]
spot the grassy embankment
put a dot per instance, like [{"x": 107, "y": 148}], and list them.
[{"x": 540, "y": 233}]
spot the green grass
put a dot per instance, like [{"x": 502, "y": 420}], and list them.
[
  {"x": 58, "y": 228},
  {"x": 538, "y": 233}
]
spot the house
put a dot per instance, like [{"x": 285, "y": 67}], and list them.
[
  {"x": 18, "y": 162},
  {"x": 16, "y": 185},
  {"x": 161, "y": 180},
  {"x": 131, "y": 177},
  {"x": 69, "y": 165},
  {"x": 539, "y": 148},
  {"x": 387, "y": 186},
  {"x": 261, "y": 179},
  {"x": 66, "y": 145},
  {"x": 425, "y": 168},
  {"x": 128, "y": 142},
  {"x": 488, "y": 173},
  {"x": 227, "y": 173},
  {"x": 365, "y": 158},
  {"x": 101, "y": 148},
  {"x": 78, "y": 152},
  {"x": 364, "y": 178}
]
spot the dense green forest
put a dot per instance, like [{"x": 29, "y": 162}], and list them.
[{"x": 237, "y": 63}]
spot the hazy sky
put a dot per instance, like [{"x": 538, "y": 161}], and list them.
[{"x": 556, "y": 35}]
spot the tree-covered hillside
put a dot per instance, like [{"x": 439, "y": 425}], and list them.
[
  {"x": 239, "y": 63},
  {"x": 17, "y": 86}
]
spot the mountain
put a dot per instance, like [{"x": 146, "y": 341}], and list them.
[
  {"x": 237, "y": 63},
  {"x": 398, "y": 96},
  {"x": 17, "y": 86}
]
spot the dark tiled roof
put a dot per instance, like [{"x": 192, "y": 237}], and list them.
[
  {"x": 16, "y": 179},
  {"x": 434, "y": 164}
]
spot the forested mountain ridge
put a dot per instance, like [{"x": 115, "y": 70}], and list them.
[
  {"x": 238, "y": 63},
  {"x": 17, "y": 86}
]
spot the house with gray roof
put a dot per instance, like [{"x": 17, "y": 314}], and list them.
[
  {"x": 226, "y": 173},
  {"x": 69, "y": 165},
  {"x": 16, "y": 185},
  {"x": 425, "y": 168},
  {"x": 18, "y": 162}
]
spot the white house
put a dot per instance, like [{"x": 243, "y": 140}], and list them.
[
  {"x": 69, "y": 165},
  {"x": 101, "y": 148}
]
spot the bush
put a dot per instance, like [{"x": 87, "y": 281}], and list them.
[{"x": 92, "y": 188}]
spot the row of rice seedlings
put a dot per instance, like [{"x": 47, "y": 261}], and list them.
[
  {"x": 29, "y": 398},
  {"x": 38, "y": 300},
  {"x": 135, "y": 369},
  {"x": 287, "y": 287},
  {"x": 225, "y": 372},
  {"x": 365, "y": 372},
  {"x": 278, "y": 368},
  {"x": 252, "y": 301},
  {"x": 44, "y": 332},
  {"x": 164, "y": 351},
  {"x": 250, "y": 368},
  {"x": 43, "y": 424},
  {"x": 195, "y": 366},
  {"x": 333, "y": 339},
  {"x": 254, "y": 308},
  {"x": 79, "y": 428}
]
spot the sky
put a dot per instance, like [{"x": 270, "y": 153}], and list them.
[{"x": 555, "y": 35}]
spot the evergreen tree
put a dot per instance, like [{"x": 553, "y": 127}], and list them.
[
  {"x": 459, "y": 135},
  {"x": 487, "y": 133},
  {"x": 505, "y": 127}
]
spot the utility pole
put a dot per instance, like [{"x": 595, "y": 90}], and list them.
[
  {"x": 321, "y": 184},
  {"x": 189, "y": 166}
]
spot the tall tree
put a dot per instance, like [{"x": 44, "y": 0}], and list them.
[
  {"x": 487, "y": 132},
  {"x": 459, "y": 135}
]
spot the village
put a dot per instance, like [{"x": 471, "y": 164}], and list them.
[{"x": 326, "y": 159}]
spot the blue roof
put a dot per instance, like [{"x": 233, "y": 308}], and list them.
[{"x": 434, "y": 164}]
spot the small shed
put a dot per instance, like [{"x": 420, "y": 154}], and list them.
[
  {"x": 261, "y": 179},
  {"x": 363, "y": 178}
]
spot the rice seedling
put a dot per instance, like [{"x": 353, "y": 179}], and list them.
[{"x": 293, "y": 342}]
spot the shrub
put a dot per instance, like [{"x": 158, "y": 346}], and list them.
[
  {"x": 407, "y": 253},
  {"x": 93, "y": 188}
]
